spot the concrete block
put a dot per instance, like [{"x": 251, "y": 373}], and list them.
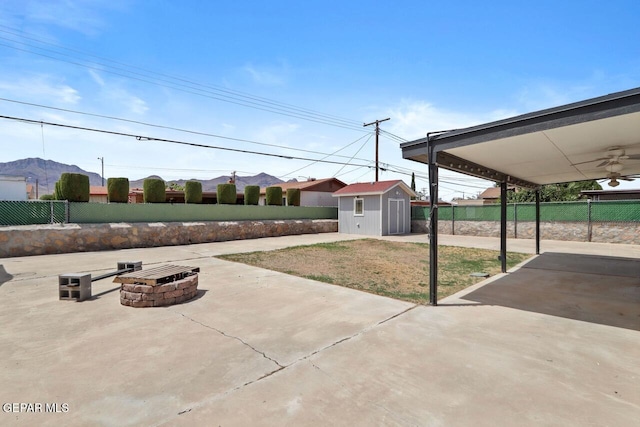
[
  {"x": 136, "y": 265},
  {"x": 74, "y": 286}
]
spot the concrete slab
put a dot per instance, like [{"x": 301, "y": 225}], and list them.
[
  {"x": 476, "y": 366},
  {"x": 556, "y": 342}
]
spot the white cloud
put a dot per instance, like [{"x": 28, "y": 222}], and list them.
[
  {"x": 413, "y": 119},
  {"x": 41, "y": 89},
  {"x": 97, "y": 78},
  {"x": 78, "y": 15},
  {"x": 267, "y": 76},
  {"x": 279, "y": 133}
]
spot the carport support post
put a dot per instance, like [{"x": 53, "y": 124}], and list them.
[
  {"x": 503, "y": 226},
  {"x": 433, "y": 225},
  {"x": 537, "y": 221}
]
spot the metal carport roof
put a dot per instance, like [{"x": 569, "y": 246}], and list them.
[{"x": 555, "y": 145}]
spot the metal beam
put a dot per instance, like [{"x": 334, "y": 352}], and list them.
[
  {"x": 458, "y": 164},
  {"x": 538, "y": 221},
  {"x": 433, "y": 227},
  {"x": 503, "y": 226}
]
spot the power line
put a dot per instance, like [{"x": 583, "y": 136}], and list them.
[
  {"x": 188, "y": 86},
  {"x": 328, "y": 155},
  {"x": 354, "y": 155},
  {"x": 172, "y": 141},
  {"x": 169, "y": 127}
]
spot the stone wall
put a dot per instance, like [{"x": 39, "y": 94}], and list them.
[
  {"x": 66, "y": 238},
  {"x": 602, "y": 232}
]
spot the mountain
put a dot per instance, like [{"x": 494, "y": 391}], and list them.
[
  {"x": 261, "y": 180},
  {"x": 47, "y": 172}
]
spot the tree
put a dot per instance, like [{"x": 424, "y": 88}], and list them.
[
  {"x": 566, "y": 192},
  {"x": 413, "y": 182},
  {"x": 174, "y": 186}
]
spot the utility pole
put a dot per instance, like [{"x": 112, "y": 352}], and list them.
[
  {"x": 102, "y": 161},
  {"x": 377, "y": 123}
]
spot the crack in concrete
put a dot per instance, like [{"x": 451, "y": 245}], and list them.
[
  {"x": 235, "y": 338},
  {"x": 367, "y": 329},
  {"x": 282, "y": 367}
]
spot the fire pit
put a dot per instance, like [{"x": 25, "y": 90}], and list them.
[{"x": 159, "y": 286}]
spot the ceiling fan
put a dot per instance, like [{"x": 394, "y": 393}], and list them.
[
  {"x": 613, "y": 178},
  {"x": 613, "y": 156}
]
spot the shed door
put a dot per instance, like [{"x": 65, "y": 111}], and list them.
[{"x": 396, "y": 216}]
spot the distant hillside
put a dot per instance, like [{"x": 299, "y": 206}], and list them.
[
  {"x": 47, "y": 172},
  {"x": 262, "y": 180}
]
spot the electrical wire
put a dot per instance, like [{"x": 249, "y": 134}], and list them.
[
  {"x": 172, "y": 141},
  {"x": 352, "y": 157},
  {"x": 169, "y": 127},
  {"x": 189, "y": 86},
  {"x": 325, "y": 157}
]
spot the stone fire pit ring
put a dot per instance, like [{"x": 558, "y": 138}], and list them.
[{"x": 159, "y": 287}]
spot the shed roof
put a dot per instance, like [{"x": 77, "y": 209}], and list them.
[{"x": 373, "y": 188}]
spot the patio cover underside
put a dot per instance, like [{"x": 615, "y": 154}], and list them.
[
  {"x": 557, "y": 145},
  {"x": 544, "y": 147}
]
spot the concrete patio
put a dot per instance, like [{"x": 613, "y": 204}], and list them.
[{"x": 554, "y": 342}]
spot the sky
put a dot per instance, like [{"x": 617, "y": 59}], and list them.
[{"x": 289, "y": 83}]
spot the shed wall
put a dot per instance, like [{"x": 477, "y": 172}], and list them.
[{"x": 368, "y": 224}]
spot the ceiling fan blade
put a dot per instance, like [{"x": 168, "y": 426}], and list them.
[
  {"x": 590, "y": 161},
  {"x": 606, "y": 162},
  {"x": 624, "y": 178},
  {"x": 633, "y": 156}
]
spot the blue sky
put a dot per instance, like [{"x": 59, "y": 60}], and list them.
[{"x": 427, "y": 65}]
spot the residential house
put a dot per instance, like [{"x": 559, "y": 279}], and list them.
[
  {"x": 313, "y": 192},
  {"x": 13, "y": 188},
  {"x": 602, "y": 195}
]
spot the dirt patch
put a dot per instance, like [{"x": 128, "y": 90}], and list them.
[{"x": 395, "y": 269}]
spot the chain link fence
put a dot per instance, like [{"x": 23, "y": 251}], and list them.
[
  {"x": 55, "y": 212},
  {"x": 601, "y": 211},
  {"x": 33, "y": 212}
]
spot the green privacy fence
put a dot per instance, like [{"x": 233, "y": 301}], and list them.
[
  {"x": 47, "y": 212},
  {"x": 165, "y": 212},
  {"x": 33, "y": 212},
  {"x": 608, "y": 211}
]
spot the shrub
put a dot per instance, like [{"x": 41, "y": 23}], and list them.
[
  {"x": 47, "y": 197},
  {"x": 293, "y": 197},
  {"x": 56, "y": 191},
  {"x": 227, "y": 194},
  {"x": 251, "y": 194},
  {"x": 193, "y": 192},
  {"x": 118, "y": 190},
  {"x": 274, "y": 196},
  {"x": 154, "y": 191},
  {"x": 73, "y": 187}
]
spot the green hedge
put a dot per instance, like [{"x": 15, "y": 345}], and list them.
[
  {"x": 227, "y": 194},
  {"x": 251, "y": 195},
  {"x": 154, "y": 190},
  {"x": 293, "y": 197},
  {"x": 274, "y": 196},
  {"x": 56, "y": 191},
  {"x": 74, "y": 187},
  {"x": 193, "y": 192},
  {"x": 118, "y": 190}
]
